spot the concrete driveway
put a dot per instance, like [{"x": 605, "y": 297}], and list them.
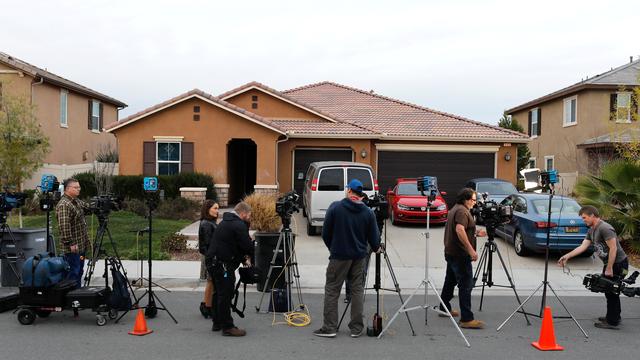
[{"x": 406, "y": 251}]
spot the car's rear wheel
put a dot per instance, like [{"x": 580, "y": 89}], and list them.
[
  {"x": 311, "y": 230},
  {"x": 518, "y": 244}
]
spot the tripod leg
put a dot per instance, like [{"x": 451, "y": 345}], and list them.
[
  {"x": 163, "y": 307},
  {"x": 97, "y": 249},
  {"x": 403, "y": 308},
  {"x": 519, "y": 308},
  {"x": 453, "y": 321},
  {"x": 513, "y": 286},
  {"x": 568, "y": 312},
  {"x": 272, "y": 264},
  {"x": 397, "y": 287}
]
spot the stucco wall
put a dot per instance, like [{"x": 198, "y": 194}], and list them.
[
  {"x": 271, "y": 107},
  {"x": 210, "y": 136}
]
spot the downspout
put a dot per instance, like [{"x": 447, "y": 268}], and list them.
[
  {"x": 34, "y": 84},
  {"x": 277, "y": 146}
]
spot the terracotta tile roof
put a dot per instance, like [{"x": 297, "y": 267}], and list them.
[
  {"x": 395, "y": 118},
  {"x": 255, "y": 84},
  {"x": 189, "y": 94},
  {"x": 324, "y": 128},
  {"x": 56, "y": 80}
]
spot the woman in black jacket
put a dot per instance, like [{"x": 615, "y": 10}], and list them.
[{"x": 208, "y": 224}]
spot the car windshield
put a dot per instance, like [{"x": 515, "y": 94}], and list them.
[
  {"x": 558, "y": 206},
  {"x": 408, "y": 189},
  {"x": 496, "y": 188}
]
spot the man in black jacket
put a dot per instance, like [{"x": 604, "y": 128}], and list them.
[
  {"x": 349, "y": 226},
  {"x": 231, "y": 247}
]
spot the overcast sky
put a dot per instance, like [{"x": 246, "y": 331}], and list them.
[{"x": 470, "y": 58}]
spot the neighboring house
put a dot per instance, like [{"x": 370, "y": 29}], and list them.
[
  {"x": 71, "y": 115},
  {"x": 255, "y": 138},
  {"x": 575, "y": 130}
]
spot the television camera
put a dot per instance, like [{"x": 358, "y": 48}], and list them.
[
  {"x": 286, "y": 205},
  {"x": 490, "y": 213},
  {"x": 599, "y": 283}
]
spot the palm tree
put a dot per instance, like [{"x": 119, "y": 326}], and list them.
[{"x": 616, "y": 193}]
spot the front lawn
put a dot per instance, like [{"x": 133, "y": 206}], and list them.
[{"x": 122, "y": 225}]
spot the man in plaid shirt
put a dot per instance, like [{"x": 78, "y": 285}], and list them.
[{"x": 74, "y": 237}]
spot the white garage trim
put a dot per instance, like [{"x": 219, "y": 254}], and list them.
[{"x": 438, "y": 148}]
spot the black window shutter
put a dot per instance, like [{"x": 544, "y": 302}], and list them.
[
  {"x": 539, "y": 121},
  {"x": 187, "y": 157},
  {"x": 149, "y": 158},
  {"x": 90, "y": 113},
  {"x": 613, "y": 104},
  {"x": 530, "y": 134},
  {"x": 100, "y": 117}
]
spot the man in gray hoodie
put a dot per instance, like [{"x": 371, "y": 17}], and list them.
[{"x": 349, "y": 227}]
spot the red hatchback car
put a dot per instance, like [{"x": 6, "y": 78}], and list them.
[{"x": 407, "y": 205}]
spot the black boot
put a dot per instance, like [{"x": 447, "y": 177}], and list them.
[{"x": 204, "y": 310}]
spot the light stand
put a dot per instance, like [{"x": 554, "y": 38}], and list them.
[
  {"x": 426, "y": 183},
  {"x": 6, "y": 229},
  {"x": 139, "y": 282},
  {"x": 547, "y": 184}
]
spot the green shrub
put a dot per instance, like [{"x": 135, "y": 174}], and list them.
[
  {"x": 136, "y": 206},
  {"x": 131, "y": 186},
  {"x": 175, "y": 242},
  {"x": 178, "y": 209}
]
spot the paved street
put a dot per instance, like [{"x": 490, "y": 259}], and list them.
[{"x": 63, "y": 337}]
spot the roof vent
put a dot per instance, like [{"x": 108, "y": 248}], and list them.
[
  {"x": 631, "y": 58},
  {"x": 371, "y": 91}
]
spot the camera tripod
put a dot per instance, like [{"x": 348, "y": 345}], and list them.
[
  {"x": 545, "y": 282},
  {"x": 139, "y": 282},
  {"x": 485, "y": 263},
  {"x": 376, "y": 286},
  {"x": 6, "y": 229},
  {"x": 289, "y": 268},
  {"x": 151, "y": 310},
  {"x": 426, "y": 283}
]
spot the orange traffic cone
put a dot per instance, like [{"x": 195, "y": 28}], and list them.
[
  {"x": 547, "y": 341},
  {"x": 140, "y": 327}
]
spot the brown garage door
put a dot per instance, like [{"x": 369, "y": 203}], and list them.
[
  {"x": 304, "y": 157},
  {"x": 452, "y": 169}
]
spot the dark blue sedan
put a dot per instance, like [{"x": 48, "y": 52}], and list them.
[{"x": 527, "y": 230}]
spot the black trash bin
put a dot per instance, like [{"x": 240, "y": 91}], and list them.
[
  {"x": 265, "y": 247},
  {"x": 28, "y": 242}
]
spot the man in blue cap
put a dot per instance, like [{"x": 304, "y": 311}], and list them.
[{"x": 349, "y": 228}]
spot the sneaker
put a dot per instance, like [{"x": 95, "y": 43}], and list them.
[
  {"x": 324, "y": 333},
  {"x": 473, "y": 324},
  {"x": 454, "y": 313},
  {"x": 603, "y": 319},
  {"x": 216, "y": 327},
  {"x": 357, "y": 334},
  {"x": 234, "y": 331},
  {"x": 606, "y": 325}
]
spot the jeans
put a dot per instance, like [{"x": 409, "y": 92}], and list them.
[
  {"x": 613, "y": 300},
  {"x": 224, "y": 282},
  {"x": 459, "y": 272},
  {"x": 337, "y": 272},
  {"x": 76, "y": 265}
]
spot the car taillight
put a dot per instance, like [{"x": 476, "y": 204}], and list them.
[
  {"x": 375, "y": 185},
  {"x": 544, "y": 225},
  {"x": 314, "y": 185}
]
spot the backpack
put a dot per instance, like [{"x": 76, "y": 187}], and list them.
[
  {"x": 119, "y": 299},
  {"x": 248, "y": 275}
]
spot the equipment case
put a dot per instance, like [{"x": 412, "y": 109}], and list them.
[{"x": 92, "y": 297}]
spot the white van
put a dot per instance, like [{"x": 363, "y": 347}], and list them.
[{"x": 326, "y": 182}]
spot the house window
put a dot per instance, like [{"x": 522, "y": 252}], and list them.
[
  {"x": 534, "y": 122},
  {"x": 95, "y": 115},
  {"x": 623, "y": 107},
  {"x": 570, "y": 111},
  {"x": 64, "y": 95},
  {"x": 548, "y": 163},
  {"x": 196, "y": 109},
  {"x": 254, "y": 105},
  {"x": 532, "y": 163},
  {"x": 168, "y": 158},
  {"x": 254, "y": 97}
]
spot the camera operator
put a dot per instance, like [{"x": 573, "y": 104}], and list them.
[
  {"x": 72, "y": 226},
  {"x": 231, "y": 247},
  {"x": 459, "y": 251},
  {"x": 608, "y": 249},
  {"x": 349, "y": 226}
]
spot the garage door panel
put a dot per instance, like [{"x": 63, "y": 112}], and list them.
[
  {"x": 304, "y": 157},
  {"x": 452, "y": 169}
]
